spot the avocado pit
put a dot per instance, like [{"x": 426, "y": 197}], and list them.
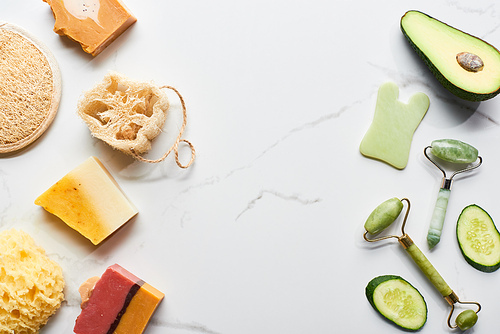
[{"x": 470, "y": 62}]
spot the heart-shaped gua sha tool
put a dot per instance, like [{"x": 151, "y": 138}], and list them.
[{"x": 389, "y": 137}]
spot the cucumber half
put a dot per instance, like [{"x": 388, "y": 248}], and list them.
[
  {"x": 478, "y": 239},
  {"x": 398, "y": 301}
]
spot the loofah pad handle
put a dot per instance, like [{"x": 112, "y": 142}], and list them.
[{"x": 175, "y": 146}]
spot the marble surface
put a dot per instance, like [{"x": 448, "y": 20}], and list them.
[{"x": 263, "y": 233}]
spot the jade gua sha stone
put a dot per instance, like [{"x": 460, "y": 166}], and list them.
[{"x": 389, "y": 137}]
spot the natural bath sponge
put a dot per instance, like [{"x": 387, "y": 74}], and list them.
[
  {"x": 125, "y": 114},
  {"x": 31, "y": 284}
]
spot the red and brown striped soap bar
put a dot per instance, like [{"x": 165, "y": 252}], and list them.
[{"x": 120, "y": 303}]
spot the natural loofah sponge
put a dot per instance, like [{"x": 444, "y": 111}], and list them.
[
  {"x": 125, "y": 114},
  {"x": 31, "y": 284}
]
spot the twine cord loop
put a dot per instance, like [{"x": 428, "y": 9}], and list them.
[{"x": 175, "y": 146}]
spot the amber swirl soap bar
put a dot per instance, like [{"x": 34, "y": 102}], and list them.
[
  {"x": 92, "y": 23},
  {"x": 119, "y": 303},
  {"x": 89, "y": 200}
]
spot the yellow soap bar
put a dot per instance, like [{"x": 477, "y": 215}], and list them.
[
  {"x": 92, "y": 23},
  {"x": 89, "y": 200}
]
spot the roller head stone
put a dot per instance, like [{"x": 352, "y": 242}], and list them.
[
  {"x": 383, "y": 215},
  {"x": 466, "y": 319},
  {"x": 454, "y": 151}
]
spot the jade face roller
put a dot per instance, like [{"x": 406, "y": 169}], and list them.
[
  {"x": 456, "y": 152},
  {"x": 381, "y": 218}
]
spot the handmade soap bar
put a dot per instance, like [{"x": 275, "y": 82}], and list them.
[
  {"x": 391, "y": 132},
  {"x": 120, "y": 303},
  {"x": 89, "y": 200},
  {"x": 92, "y": 23}
]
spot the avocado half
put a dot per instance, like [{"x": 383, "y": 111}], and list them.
[{"x": 465, "y": 65}]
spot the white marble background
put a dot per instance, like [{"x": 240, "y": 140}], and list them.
[{"x": 263, "y": 234}]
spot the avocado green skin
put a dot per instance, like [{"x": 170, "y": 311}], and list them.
[
  {"x": 457, "y": 91},
  {"x": 478, "y": 266},
  {"x": 372, "y": 285}
]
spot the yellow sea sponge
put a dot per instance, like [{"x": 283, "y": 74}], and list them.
[{"x": 31, "y": 284}]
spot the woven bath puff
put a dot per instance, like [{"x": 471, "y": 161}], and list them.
[
  {"x": 128, "y": 115},
  {"x": 30, "y": 88},
  {"x": 31, "y": 284}
]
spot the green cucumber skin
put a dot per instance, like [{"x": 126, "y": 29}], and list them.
[
  {"x": 457, "y": 91},
  {"x": 474, "y": 264},
  {"x": 370, "y": 289},
  {"x": 480, "y": 267}
]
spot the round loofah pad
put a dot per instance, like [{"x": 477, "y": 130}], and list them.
[
  {"x": 30, "y": 89},
  {"x": 31, "y": 284}
]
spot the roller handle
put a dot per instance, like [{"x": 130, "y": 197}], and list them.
[
  {"x": 428, "y": 269},
  {"x": 437, "y": 220}
]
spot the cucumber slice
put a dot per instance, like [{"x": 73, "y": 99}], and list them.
[
  {"x": 398, "y": 301},
  {"x": 478, "y": 239}
]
